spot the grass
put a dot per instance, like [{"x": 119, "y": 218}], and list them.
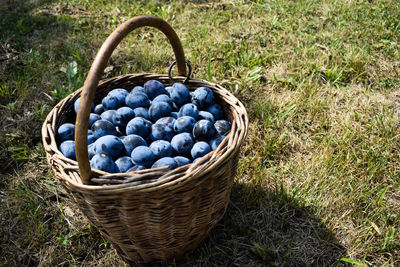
[{"x": 318, "y": 179}]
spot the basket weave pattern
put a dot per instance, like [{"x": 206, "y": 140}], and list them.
[{"x": 154, "y": 214}]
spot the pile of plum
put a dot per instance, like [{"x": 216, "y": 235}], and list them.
[{"x": 149, "y": 127}]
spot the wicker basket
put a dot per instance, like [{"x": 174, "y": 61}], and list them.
[{"x": 156, "y": 214}]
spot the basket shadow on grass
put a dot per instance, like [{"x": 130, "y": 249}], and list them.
[{"x": 275, "y": 231}]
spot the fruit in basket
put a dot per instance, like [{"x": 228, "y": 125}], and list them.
[
  {"x": 137, "y": 89},
  {"x": 189, "y": 110},
  {"x": 167, "y": 161},
  {"x": 217, "y": 111},
  {"x": 143, "y": 155},
  {"x": 184, "y": 124},
  {"x": 136, "y": 168},
  {"x": 110, "y": 145},
  {"x": 139, "y": 126},
  {"x": 119, "y": 93},
  {"x": 91, "y": 151},
  {"x": 111, "y": 102},
  {"x": 182, "y": 144},
  {"x": 214, "y": 143},
  {"x": 136, "y": 100},
  {"x": 222, "y": 127},
  {"x": 205, "y": 115},
  {"x": 102, "y": 127},
  {"x": 108, "y": 115},
  {"x": 175, "y": 114},
  {"x": 103, "y": 162},
  {"x": 161, "y": 132},
  {"x": 93, "y": 117},
  {"x": 168, "y": 121},
  {"x": 91, "y": 139},
  {"x": 143, "y": 128},
  {"x": 68, "y": 149},
  {"x": 163, "y": 98},
  {"x": 98, "y": 109},
  {"x": 202, "y": 97},
  {"x": 200, "y": 149},
  {"x": 66, "y": 132},
  {"x": 161, "y": 149},
  {"x": 124, "y": 163},
  {"x": 180, "y": 94},
  {"x": 158, "y": 110},
  {"x": 204, "y": 130},
  {"x": 154, "y": 88},
  {"x": 122, "y": 116},
  {"x": 181, "y": 161},
  {"x": 141, "y": 112},
  {"x": 132, "y": 141}
]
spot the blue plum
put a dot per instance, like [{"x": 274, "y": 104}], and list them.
[
  {"x": 161, "y": 132},
  {"x": 175, "y": 114},
  {"x": 123, "y": 116},
  {"x": 68, "y": 149},
  {"x": 136, "y": 100},
  {"x": 163, "y": 98},
  {"x": 169, "y": 121},
  {"x": 222, "y": 126},
  {"x": 103, "y": 162},
  {"x": 119, "y": 93},
  {"x": 139, "y": 126},
  {"x": 93, "y": 117},
  {"x": 205, "y": 115},
  {"x": 142, "y": 155},
  {"x": 138, "y": 89},
  {"x": 169, "y": 90},
  {"x": 200, "y": 149},
  {"x": 142, "y": 112},
  {"x": 109, "y": 144},
  {"x": 202, "y": 97},
  {"x": 108, "y": 115},
  {"x": 217, "y": 111},
  {"x": 204, "y": 130},
  {"x": 91, "y": 150},
  {"x": 184, "y": 124},
  {"x": 111, "y": 102},
  {"x": 102, "y": 127},
  {"x": 124, "y": 163},
  {"x": 154, "y": 88},
  {"x": 166, "y": 161},
  {"x": 132, "y": 141},
  {"x": 158, "y": 110},
  {"x": 175, "y": 107},
  {"x": 180, "y": 94},
  {"x": 91, "y": 139},
  {"x": 189, "y": 110},
  {"x": 182, "y": 144},
  {"x": 181, "y": 161},
  {"x": 161, "y": 148},
  {"x": 136, "y": 168},
  {"x": 98, "y": 109},
  {"x": 214, "y": 143},
  {"x": 65, "y": 132}
]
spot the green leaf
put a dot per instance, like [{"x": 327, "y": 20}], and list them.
[{"x": 356, "y": 263}]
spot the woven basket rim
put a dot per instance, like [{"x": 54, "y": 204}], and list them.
[{"x": 162, "y": 180}]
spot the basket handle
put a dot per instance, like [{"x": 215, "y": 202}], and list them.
[{"x": 97, "y": 70}]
